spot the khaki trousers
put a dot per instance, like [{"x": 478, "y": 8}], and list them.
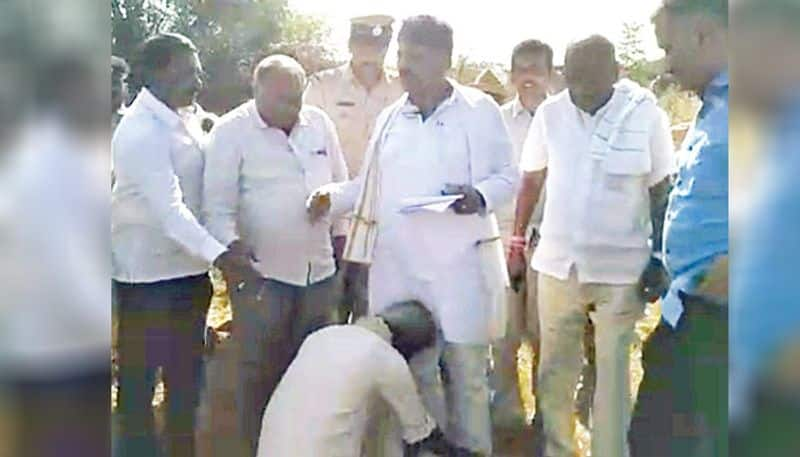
[{"x": 565, "y": 308}]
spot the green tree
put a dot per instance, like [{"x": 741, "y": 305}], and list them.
[
  {"x": 307, "y": 38},
  {"x": 631, "y": 55},
  {"x": 226, "y": 32}
]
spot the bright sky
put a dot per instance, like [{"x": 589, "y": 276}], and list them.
[{"x": 489, "y": 29}]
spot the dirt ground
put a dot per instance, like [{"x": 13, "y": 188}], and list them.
[{"x": 215, "y": 414}]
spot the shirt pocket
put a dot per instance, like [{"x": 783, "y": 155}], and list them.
[
  {"x": 619, "y": 206},
  {"x": 317, "y": 165},
  {"x": 626, "y": 166},
  {"x": 344, "y": 110}
]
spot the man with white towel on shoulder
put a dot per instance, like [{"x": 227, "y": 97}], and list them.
[{"x": 605, "y": 147}]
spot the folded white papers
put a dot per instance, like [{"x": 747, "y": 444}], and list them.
[{"x": 437, "y": 204}]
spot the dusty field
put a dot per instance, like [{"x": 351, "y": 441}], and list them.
[{"x": 215, "y": 414}]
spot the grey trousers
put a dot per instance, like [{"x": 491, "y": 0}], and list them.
[{"x": 270, "y": 321}]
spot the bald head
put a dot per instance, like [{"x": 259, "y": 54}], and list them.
[
  {"x": 595, "y": 47},
  {"x": 278, "y": 85},
  {"x": 590, "y": 71},
  {"x": 278, "y": 64}
]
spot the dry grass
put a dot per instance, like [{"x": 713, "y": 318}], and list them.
[{"x": 220, "y": 312}]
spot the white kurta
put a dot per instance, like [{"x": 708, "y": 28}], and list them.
[
  {"x": 434, "y": 257},
  {"x": 427, "y": 256},
  {"x": 321, "y": 405}
]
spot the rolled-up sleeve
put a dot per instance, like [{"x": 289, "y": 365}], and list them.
[
  {"x": 145, "y": 162},
  {"x": 221, "y": 185},
  {"x": 397, "y": 387}
]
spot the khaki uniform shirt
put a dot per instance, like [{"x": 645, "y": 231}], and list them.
[{"x": 352, "y": 108}]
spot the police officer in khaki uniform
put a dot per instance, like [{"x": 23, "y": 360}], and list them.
[{"x": 353, "y": 95}]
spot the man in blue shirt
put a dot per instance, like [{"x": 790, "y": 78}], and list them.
[
  {"x": 682, "y": 406},
  {"x": 764, "y": 400}
]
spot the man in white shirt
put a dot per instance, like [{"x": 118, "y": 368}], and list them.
[
  {"x": 263, "y": 161},
  {"x": 119, "y": 89},
  {"x": 54, "y": 212},
  {"x": 160, "y": 253},
  {"x": 531, "y": 68},
  {"x": 353, "y": 95},
  {"x": 607, "y": 154},
  {"x": 356, "y": 366},
  {"x": 439, "y": 138}
]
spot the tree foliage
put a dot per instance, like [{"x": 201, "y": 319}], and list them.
[
  {"x": 229, "y": 34},
  {"x": 631, "y": 55}
]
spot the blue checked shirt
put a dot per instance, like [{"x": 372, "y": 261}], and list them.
[{"x": 696, "y": 226}]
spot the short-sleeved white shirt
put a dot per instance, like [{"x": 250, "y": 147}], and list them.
[{"x": 597, "y": 212}]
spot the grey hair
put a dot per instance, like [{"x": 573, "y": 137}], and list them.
[{"x": 278, "y": 63}]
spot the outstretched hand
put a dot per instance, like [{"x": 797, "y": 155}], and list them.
[{"x": 318, "y": 205}]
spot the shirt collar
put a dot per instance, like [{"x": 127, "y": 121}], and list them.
[
  {"x": 302, "y": 117},
  {"x": 518, "y": 108},
  {"x": 376, "y": 325},
  {"x": 409, "y": 108},
  {"x": 146, "y": 100},
  {"x": 600, "y": 112}
]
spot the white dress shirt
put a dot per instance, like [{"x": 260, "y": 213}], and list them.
[
  {"x": 257, "y": 181},
  {"x": 518, "y": 120},
  {"x": 321, "y": 406},
  {"x": 352, "y": 107},
  {"x": 597, "y": 215},
  {"x": 434, "y": 256},
  {"x": 158, "y": 169},
  {"x": 54, "y": 237}
]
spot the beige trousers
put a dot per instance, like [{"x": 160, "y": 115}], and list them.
[{"x": 564, "y": 310}]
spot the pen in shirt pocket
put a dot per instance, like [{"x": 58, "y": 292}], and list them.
[{"x": 487, "y": 240}]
